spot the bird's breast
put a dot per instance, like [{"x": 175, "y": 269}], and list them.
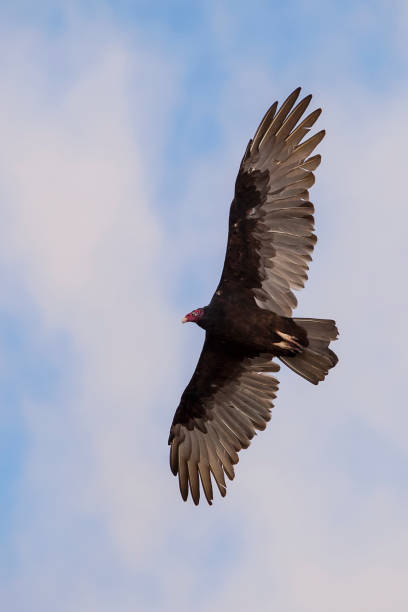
[{"x": 245, "y": 324}]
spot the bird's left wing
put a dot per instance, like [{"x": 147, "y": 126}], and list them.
[
  {"x": 271, "y": 222},
  {"x": 227, "y": 399}
]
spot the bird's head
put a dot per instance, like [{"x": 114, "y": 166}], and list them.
[{"x": 194, "y": 316}]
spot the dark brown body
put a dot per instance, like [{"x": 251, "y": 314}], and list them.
[{"x": 247, "y": 325}]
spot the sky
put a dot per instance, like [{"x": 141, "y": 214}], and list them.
[{"x": 123, "y": 124}]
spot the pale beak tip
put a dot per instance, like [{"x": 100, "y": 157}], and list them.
[{"x": 184, "y": 320}]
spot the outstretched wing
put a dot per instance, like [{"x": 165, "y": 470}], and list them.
[
  {"x": 271, "y": 224},
  {"x": 227, "y": 399}
]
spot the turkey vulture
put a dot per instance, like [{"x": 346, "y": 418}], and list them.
[{"x": 249, "y": 319}]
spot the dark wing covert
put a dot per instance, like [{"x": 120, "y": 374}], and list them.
[
  {"x": 227, "y": 399},
  {"x": 271, "y": 224}
]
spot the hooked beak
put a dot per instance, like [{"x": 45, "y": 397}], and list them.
[{"x": 184, "y": 320}]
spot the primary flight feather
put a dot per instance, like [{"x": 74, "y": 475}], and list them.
[{"x": 249, "y": 319}]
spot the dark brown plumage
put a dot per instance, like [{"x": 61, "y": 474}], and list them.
[{"x": 249, "y": 319}]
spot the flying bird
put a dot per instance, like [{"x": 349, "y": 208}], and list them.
[{"x": 249, "y": 320}]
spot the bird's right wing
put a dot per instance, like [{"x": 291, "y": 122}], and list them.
[
  {"x": 271, "y": 222},
  {"x": 227, "y": 399}
]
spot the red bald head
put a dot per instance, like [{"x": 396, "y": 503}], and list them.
[{"x": 193, "y": 316}]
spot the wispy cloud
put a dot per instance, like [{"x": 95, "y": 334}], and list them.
[{"x": 83, "y": 240}]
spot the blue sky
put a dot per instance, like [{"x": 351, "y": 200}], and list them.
[{"x": 123, "y": 126}]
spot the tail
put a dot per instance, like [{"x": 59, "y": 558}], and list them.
[{"x": 315, "y": 361}]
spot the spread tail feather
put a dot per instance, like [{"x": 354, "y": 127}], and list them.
[{"x": 315, "y": 361}]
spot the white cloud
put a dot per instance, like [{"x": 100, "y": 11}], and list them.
[{"x": 84, "y": 240}]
